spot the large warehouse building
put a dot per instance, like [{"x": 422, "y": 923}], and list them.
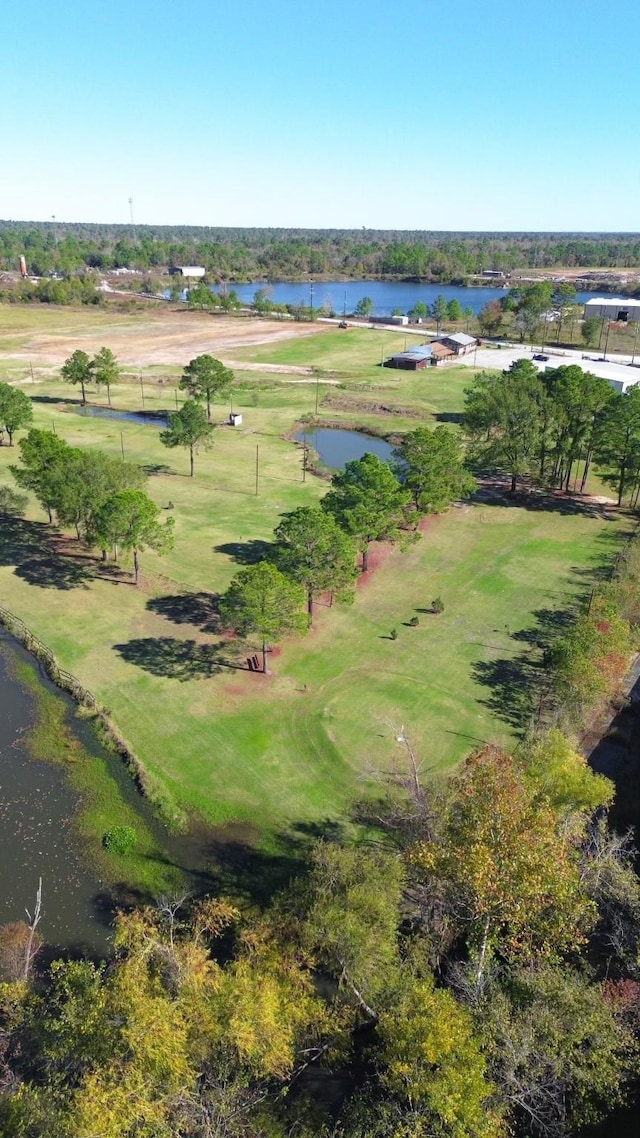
[{"x": 621, "y": 309}]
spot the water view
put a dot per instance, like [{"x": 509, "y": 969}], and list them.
[
  {"x": 343, "y": 296},
  {"x": 144, "y": 418},
  {"x": 336, "y": 447},
  {"x": 36, "y": 836}
]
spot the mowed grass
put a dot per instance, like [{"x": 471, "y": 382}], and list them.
[
  {"x": 300, "y": 745},
  {"x": 332, "y": 349}
]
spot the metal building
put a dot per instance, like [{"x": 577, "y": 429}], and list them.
[{"x": 620, "y": 309}]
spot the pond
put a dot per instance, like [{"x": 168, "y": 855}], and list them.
[
  {"x": 335, "y": 446},
  {"x": 157, "y": 419},
  {"x": 38, "y": 809},
  {"x": 36, "y": 836}
]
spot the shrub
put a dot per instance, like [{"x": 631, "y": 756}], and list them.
[
  {"x": 414, "y": 622},
  {"x": 393, "y": 635},
  {"x": 120, "y": 840},
  {"x": 437, "y": 605}
]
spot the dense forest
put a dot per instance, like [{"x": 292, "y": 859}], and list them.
[{"x": 280, "y": 254}]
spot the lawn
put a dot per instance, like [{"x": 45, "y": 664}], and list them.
[{"x": 300, "y": 745}]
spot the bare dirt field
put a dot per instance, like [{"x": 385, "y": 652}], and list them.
[{"x": 151, "y": 338}]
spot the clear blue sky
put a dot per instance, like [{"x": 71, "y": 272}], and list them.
[{"x": 478, "y": 114}]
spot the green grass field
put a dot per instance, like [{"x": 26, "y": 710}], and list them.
[{"x": 300, "y": 745}]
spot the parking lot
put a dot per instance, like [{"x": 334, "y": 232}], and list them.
[{"x": 495, "y": 356}]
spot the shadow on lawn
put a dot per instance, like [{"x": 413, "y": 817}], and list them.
[
  {"x": 241, "y": 870},
  {"x": 245, "y": 552},
  {"x": 157, "y": 468},
  {"x": 228, "y": 860},
  {"x": 456, "y": 417},
  {"x": 31, "y": 548},
  {"x": 199, "y": 609},
  {"x": 54, "y": 399},
  {"x": 178, "y": 659},
  {"x": 519, "y": 685}
]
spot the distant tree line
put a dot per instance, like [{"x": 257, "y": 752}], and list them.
[{"x": 276, "y": 254}]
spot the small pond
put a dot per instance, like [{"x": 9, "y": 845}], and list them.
[
  {"x": 335, "y": 446},
  {"x": 37, "y": 806},
  {"x": 156, "y": 419},
  {"x": 38, "y": 838}
]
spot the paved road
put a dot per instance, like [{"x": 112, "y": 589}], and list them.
[{"x": 621, "y": 373}]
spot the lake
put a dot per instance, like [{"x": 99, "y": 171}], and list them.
[
  {"x": 386, "y": 295},
  {"x": 335, "y": 447}
]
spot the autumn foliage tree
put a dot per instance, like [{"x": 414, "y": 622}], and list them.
[{"x": 510, "y": 873}]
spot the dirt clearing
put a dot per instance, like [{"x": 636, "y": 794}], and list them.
[{"x": 150, "y": 338}]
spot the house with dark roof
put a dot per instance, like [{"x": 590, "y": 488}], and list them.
[{"x": 414, "y": 359}]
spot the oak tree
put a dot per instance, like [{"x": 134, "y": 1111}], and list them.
[
  {"x": 128, "y": 520},
  {"x": 430, "y": 464}
]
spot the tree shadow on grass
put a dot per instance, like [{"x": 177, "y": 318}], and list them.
[
  {"x": 55, "y": 399},
  {"x": 31, "y": 548},
  {"x": 157, "y": 468},
  {"x": 229, "y": 859},
  {"x": 199, "y": 609},
  {"x": 240, "y": 869},
  {"x": 495, "y": 492},
  {"x": 245, "y": 552},
  {"x": 513, "y": 683},
  {"x": 550, "y": 624},
  {"x": 456, "y": 417},
  {"x": 179, "y": 659},
  {"x": 519, "y": 685}
]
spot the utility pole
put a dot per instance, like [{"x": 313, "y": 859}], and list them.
[
  {"x": 635, "y": 342},
  {"x": 606, "y": 342}
]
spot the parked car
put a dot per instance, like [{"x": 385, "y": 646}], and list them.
[
  {"x": 343, "y": 324},
  {"x": 541, "y": 356}
]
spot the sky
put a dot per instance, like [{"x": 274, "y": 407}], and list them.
[{"x": 477, "y": 115}]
